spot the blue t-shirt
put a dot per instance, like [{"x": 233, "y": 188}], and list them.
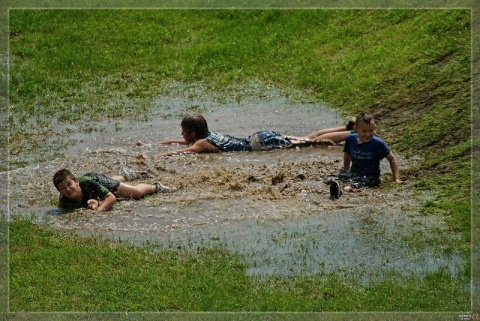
[{"x": 366, "y": 157}]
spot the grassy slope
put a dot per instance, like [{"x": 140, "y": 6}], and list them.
[{"x": 411, "y": 68}]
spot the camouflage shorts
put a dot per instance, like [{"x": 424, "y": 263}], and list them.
[{"x": 107, "y": 182}]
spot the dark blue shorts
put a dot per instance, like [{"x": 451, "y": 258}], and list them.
[{"x": 268, "y": 139}]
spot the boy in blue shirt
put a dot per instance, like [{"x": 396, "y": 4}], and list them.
[{"x": 362, "y": 154}]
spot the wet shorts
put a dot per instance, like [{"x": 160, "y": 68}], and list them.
[
  {"x": 267, "y": 140},
  {"x": 367, "y": 181},
  {"x": 108, "y": 182}
]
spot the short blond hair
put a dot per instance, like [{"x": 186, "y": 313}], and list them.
[{"x": 365, "y": 118}]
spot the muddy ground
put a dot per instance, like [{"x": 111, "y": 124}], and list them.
[{"x": 272, "y": 207}]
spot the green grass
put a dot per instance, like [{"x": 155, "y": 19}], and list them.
[
  {"x": 50, "y": 271},
  {"x": 134, "y": 52},
  {"x": 411, "y": 68}
]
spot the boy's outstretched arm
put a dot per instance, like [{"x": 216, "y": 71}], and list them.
[
  {"x": 172, "y": 141},
  {"x": 106, "y": 203},
  {"x": 200, "y": 146},
  {"x": 392, "y": 159},
  {"x": 164, "y": 142},
  {"x": 174, "y": 152}
]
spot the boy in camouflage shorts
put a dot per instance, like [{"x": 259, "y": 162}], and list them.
[{"x": 99, "y": 192}]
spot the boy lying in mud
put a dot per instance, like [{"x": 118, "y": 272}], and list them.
[
  {"x": 196, "y": 134},
  {"x": 362, "y": 154},
  {"x": 98, "y": 192}
]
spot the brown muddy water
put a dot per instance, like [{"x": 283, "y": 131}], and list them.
[{"x": 271, "y": 207}]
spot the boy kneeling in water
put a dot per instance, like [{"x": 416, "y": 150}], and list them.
[{"x": 362, "y": 154}]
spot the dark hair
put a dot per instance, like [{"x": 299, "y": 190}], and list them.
[
  {"x": 195, "y": 124},
  {"x": 365, "y": 118},
  {"x": 62, "y": 175}
]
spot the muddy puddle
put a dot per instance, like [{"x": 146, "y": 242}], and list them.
[{"x": 271, "y": 207}]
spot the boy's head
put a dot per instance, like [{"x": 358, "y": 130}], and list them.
[
  {"x": 194, "y": 127},
  {"x": 67, "y": 184},
  {"x": 365, "y": 127}
]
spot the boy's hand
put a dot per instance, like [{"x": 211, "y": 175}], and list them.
[{"x": 92, "y": 204}]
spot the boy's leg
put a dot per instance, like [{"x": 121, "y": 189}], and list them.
[
  {"x": 372, "y": 181},
  {"x": 368, "y": 181},
  {"x": 321, "y": 132},
  {"x": 336, "y": 137},
  {"x": 119, "y": 178},
  {"x": 135, "y": 192},
  {"x": 305, "y": 141}
]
